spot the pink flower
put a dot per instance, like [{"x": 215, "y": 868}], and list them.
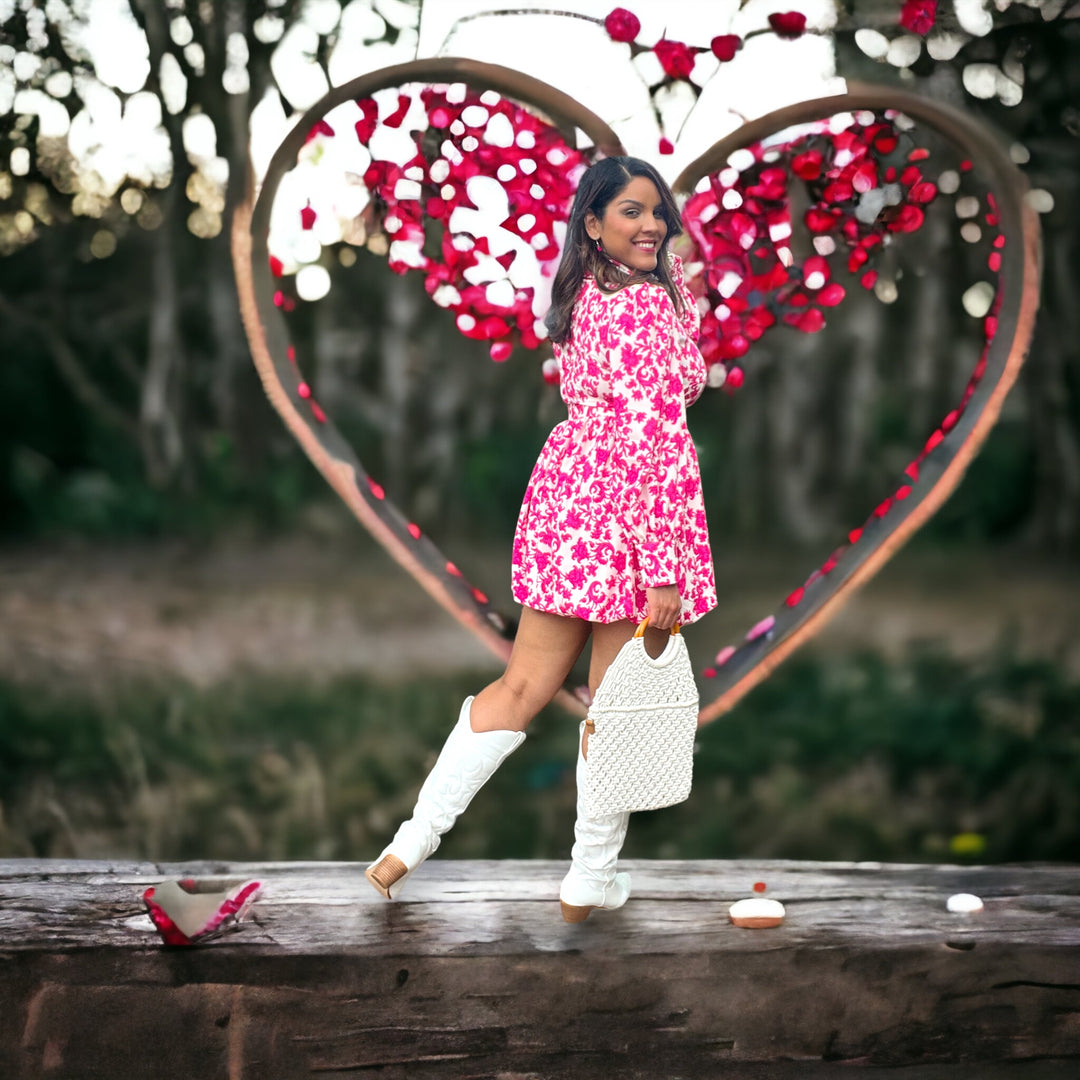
[
  {"x": 788, "y": 24},
  {"x": 918, "y": 16},
  {"x": 622, "y": 25},
  {"x": 666, "y": 146},
  {"x": 725, "y": 46},
  {"x": 675, "y": 58}
]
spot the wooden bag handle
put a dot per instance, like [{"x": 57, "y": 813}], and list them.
[{"x": 640, "y": 631}]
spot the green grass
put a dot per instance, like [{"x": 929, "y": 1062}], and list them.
[{"x": 832, "y": 758}]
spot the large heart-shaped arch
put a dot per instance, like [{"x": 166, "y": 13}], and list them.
[{"x": 934, "y": 474}]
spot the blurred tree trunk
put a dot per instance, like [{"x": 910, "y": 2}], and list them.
[
  {"x": 1055, "y": 399},
  {"x": 397, "y": 383},
  {"x": 161, "y": 400}
]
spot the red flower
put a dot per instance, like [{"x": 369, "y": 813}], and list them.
[
  {"x": 320, "y": 127},
  {"x": 622, "y": 25},
  {"x": 815, "y": 272},
  {"x": 807, "y": 166},
  {"x": 918, "y": 16},
  {"x": 809, "y": 322},
  {"x": 395, "y": 118},
  {"x": 758, "y": 321},
  {"x": 908, "y": 219},
  {"x": 831, "y": 295},
  {"x": 771, "y": 184},
  {"x": 819, "y": 221},
  {"x": 725, "y": 46},
  {"x": 365, "y": 127},
  {"x": 666, "y": 146},
  {"x": 865, "y": 177},
  {"x": 788, "y": 24},
  {"x": 675, "y": 58},
  {"x": 922, "y": 192}
]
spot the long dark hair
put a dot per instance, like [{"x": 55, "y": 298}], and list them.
[{"x": 598, "y": 187}]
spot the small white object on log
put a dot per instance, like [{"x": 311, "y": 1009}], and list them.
[
  {"x": 756, "y": 913},
  {"x": 964, "y": 903}
]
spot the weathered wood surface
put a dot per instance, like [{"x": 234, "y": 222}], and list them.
[{"x": 474, "y": 974}]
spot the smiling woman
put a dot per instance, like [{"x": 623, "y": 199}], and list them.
[
  {"x": 625, "y": 219},
  {"x": 424, "y": 151},
  {"x": 612, "y": 527}
]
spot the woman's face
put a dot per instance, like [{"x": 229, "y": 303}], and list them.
[{"x": 633, "y": 225}]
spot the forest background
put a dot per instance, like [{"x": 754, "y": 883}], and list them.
[{"x": 203, "y": 656}]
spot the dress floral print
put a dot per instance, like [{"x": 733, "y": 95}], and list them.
[{"x": 614, "y": 504}]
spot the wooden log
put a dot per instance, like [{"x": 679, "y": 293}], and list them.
[{"x": 474, "y": 974}]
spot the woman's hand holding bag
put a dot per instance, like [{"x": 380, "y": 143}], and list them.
[{"x": 665, "y": 606}]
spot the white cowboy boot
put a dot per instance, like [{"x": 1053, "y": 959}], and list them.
[
  {"x": 466, "y": 763},
  {"x": 592, "y": 881}
]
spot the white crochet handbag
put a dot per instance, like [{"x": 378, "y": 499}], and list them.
[{"x": 641, "y": 727}]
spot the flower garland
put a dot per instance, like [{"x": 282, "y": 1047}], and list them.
[{"x": 678, "y": 59}]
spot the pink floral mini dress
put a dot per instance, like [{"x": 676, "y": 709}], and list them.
[{"x": 614, "y": 504}]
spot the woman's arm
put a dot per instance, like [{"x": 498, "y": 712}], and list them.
[
  {"x": 647, "y": 395},
  {"x": 689, "y": 318},
  {"x": 692, "y": 368}
]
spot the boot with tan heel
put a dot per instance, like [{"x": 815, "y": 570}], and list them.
[
  {"x": 592, "y": 881},
  {"x": 467, "y": 761}
]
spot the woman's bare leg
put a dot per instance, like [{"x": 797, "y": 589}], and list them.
[{"x": 545, "y": 649}]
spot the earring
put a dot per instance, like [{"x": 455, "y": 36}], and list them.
[{"x": 599, "y": 246}]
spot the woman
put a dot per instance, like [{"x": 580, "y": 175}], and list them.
[{"x": 612, "y": 528}]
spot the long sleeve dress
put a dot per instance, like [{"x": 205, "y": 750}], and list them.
[{"x": 614, "y": 504}]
